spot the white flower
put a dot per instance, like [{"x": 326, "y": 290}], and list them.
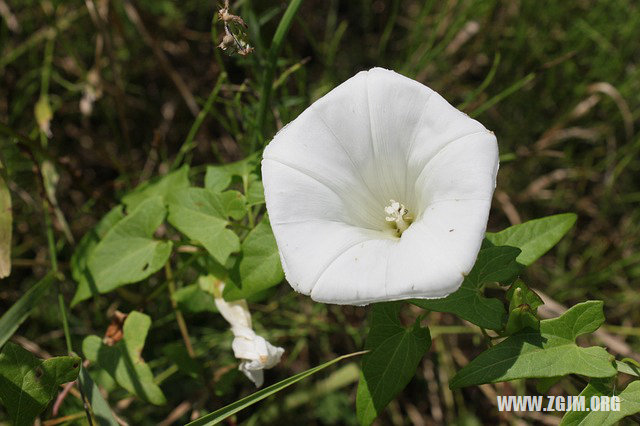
[
  {"x": 255, "y": 352},
  {"x": 379, "y": 191}
]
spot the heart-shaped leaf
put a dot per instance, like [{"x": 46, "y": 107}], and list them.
[
  {"x": 160, "y": 187},
  {"x": 123, "y": 361},
  {"x": 28, "y": 384},
  {"x": 260, "y": 267},
  {"x": 79, "y": 269},
  {"x": 128, "y": 253},
  {"x": 203, "y": 216}
]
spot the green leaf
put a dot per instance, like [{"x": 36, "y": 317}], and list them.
[
  {"x": 260, "y": 267},
  {"x": 535, "y": 237},
  {"x": 395, "y": 352},
  {"x": 628, "y": 366},
  {"x": 123, "y": 361},
  {"x": 27, "y": 384},
  {"x": 79, "y": 269},
  {"x": 6, "y": 221},
  {"x": 494, "y": 264},
  {"x": 234, "y": 204},
  {"x": 193, "y": 299},
  {"x": 550, "y": 352},
  {"x": 218, "y": 178},
  {"x": 99, "y": 407},
  {"x": 255, "y": 193},
  {"x": 224, "y": 412},
  {"x": 20, "y": 311},
  {"x": 629, "y": 404},
  {"x": 128, "y": 253},
  {"x": 162, "y": 187},
  {"x": 203, "y": 216},
  {"x": 543, "y": 384}
]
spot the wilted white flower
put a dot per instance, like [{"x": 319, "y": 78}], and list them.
[
  {"x": 255, "y": 353},
  {"x": 379, "y": 191}
]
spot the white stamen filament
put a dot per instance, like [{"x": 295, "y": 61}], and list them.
[{"x": 397, "y": 213}]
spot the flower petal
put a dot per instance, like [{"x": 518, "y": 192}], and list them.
[
  {"x": 410, "y": 124},
  {"x": 257, "y": 354},
  {"x": 464, "y": 169},
  {"x": 318, "y": 197},
  {"x": 429, "y": 261},
  {"x": 357, "y": 275},
  {"x": 254, "y": 351},
  {"x": 256, "y": 376},
  {"x": 236, "y": 313},
  {"x": 333, "y": 159},
  {"x": 311, "y": 247},
  {"x": 436, "y": 252}
]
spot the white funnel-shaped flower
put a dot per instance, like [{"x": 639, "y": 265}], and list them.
[{"x": 379, "y": 191}]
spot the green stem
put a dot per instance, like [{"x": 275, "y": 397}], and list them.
[
  {"x": 46, "y": 66},
  {"x": 53, "y": 254},
  {"x": 500, "y": 96},
  {"x": 51, "y": 242},
  {"x": 182, "y": 325},
  {"x": 622, "y": 330},
  {"x": 45, "y": 78},
  {"x": 388, "y": 29},
  {"x": 65, "y": 322},
  {"x": 188, "y": 142},
  {"x": 164, "y": 375},
  {"x": 483, "y": 85},
  {"x": 439, "y": 330},
  {"x": 54, "y": 269},
  {"x": 214, "y": 39},
  {"x": 269, "y": 71}
]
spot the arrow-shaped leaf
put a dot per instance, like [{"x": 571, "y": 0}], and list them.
[
  {"x": 395, "y": 352},
  {"x": 549, "y": 352}
]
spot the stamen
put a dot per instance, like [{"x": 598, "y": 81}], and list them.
[{"x": 397, "y": 213}]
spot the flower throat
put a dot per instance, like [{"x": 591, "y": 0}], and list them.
[{"x": 398, "y": 216}]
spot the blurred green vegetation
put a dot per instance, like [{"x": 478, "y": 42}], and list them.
[{"x": 122, "y": 82}]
